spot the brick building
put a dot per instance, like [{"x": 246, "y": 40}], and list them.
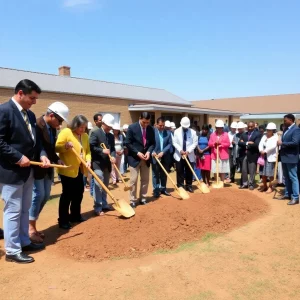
[{"x": 125, "y": 102}]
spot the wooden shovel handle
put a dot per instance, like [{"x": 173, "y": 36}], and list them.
[
  {"x": 193, "y": 171},
  {"x": 276, "y": 162},
  {"x": 36, "y": 163},
  {"x": 96, "y": 177},
  {"x": 104, "y": 147},
  {"x": 166, "y": 173},
  {"x": 217, "y": 164}
]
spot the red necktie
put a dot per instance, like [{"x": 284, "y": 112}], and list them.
[{"x": 144, "y": 136}]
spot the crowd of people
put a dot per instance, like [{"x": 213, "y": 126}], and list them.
[{"x": 108, "y": 149}]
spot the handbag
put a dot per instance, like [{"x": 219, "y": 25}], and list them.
[{"x": 261, "y": 161}]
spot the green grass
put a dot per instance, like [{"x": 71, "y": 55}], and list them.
[{"x": 205, "y": 295}]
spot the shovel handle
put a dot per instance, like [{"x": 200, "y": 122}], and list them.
[
  {"x": 276, "y": 162},
  {"x": 166, "y": 173},
  {"x": 217, "y": 164},
  {"x": 193, "y": 171},
  {"x": 96, "y": 177},
  {"x": 36, "y": 163},
  {"x": 116, "y": 168}
]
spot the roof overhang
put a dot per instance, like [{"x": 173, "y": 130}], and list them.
[
  {"x": 265, "y": 116},
  {"x": 180, "y": 109}
]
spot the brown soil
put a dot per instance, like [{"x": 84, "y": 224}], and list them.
[{"x": 162, "y": 224}]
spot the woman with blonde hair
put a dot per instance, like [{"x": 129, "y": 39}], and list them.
[
  {"x": 72, "y": 178},
  {"x": 268, "y": 151}
]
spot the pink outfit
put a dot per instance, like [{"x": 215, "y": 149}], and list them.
[{"x": 223, "y": 147}]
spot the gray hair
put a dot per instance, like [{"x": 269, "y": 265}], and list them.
[{"x": 78, "y": 121}]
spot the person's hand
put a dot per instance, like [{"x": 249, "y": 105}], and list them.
[
  {"x": 88, "y": 164},
  {"x": 160, "y": 155},
  {"x": 153, "y": 154},
  {"x": 201, "y": 151},
  {"x": 147, "y": 156},
  {"x": 106, "y": 151},
  {"x": 262, "y": 153},
  {"x": 113, "y": 160},
  {"x": 24, "y": 162},
  {"x": 68, "y": 145},
  {"x": 141, "y": 156},
  {"x": 60, "y": 162},
  {"x": 250, "y": 143},
  {"x": 45, "y": 161},
  {"x": 241, "y": 141},
  {"x": 233, "y": 142},
  {"x": 279, "y": 143},
  {"x": 182, "y": 152}
]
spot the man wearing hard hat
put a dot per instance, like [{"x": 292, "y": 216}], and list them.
[
  {"x": 101, "y": 162},
  {"x": 185, "y": 141},
  {"x": 46, "y": 129}
]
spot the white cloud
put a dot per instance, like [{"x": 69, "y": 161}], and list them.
[{"x": 74, "y": 3}]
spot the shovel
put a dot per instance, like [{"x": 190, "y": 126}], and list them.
[
  {"x": 119, "y": 205},
  {"x": 36, "y": 163},
  {"x": 201, "y": 185},
  {"x": 218, "y": 184},
  {"x": 180, "y": 191},
  {"x": 126, "y": 187}
]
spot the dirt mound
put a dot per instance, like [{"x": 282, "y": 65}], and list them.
[{"x": 163, "y": 224}]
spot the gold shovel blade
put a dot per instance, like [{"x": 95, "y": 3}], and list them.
[
  {"x": 183, "y": 193},
  {"x": 219, "y": 185},
  {"x": 124, "y": 208}
]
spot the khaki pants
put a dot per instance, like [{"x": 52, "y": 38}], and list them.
[{"x": 143, "y": 169}]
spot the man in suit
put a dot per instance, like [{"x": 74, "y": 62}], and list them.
[
  {"x": 163, "y": 143},
  {"x": 101, "y": 162},
  {"x": 18, "y": 145},
  {"x": 140, "y": 142},
  {"x": 185, "y": 141},
  {"x": 289, "y": 154},
  {"x": 249, "y": 154},
  {"x": 46, "y": 130}
]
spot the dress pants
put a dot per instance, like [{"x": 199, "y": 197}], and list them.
[
  {"x": 159, "y": 178},
  {"x": 17, "y": 199},
  {"x": 232, "y": 165},
  {"x": 291, "y": 180},
  {"x": 248, "y": 168},
  {"x": 143, "y": 169},
  {"x": 184, "y": 172},
  {"x": 71, "y": 197}
]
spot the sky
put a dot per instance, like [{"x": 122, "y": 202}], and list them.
[{"x": 196, "y": 49}]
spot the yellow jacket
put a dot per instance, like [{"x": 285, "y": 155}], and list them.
[{"x": 68, "y": 157}]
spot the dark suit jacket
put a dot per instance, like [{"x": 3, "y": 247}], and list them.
[
  {"x": 42, "y": 133},
  {"x": 289, "y": 152},
  {"x": 101, "y": 160},
  {"x": 252, "y": 149},
  {"x": 167, "y": 144},
  {"x": 134, "y": 143},
  {"x": 16, "y": 141}
]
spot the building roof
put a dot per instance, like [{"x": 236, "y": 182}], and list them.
[
  {"x": 255, "y": 105},
  {"x": 80, "y": 86},
  {"x": 169, "y": 108}
]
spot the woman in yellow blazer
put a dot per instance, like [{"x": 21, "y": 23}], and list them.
[{"x": 72, "y": 178}]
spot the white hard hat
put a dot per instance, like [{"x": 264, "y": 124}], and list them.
[
  {"x": 108, "y": 120},
  {"x": 173, "y": 126},
  {"x": 245, "y": 125},
  {"x": 240, "y": 125},
  {"x": 185, "y": 122},
  {"x": 271, "y": 126},
  {"x": 234, "y": 125},
  {"x": 168, "y": 124},
  {"x": 60, "y": 109},
  {"x": 90, "y": 125},
  {"x": 125, "y": 126},
  {"x": 116, "y": 126},
  {"x": 219, "y": 123}
]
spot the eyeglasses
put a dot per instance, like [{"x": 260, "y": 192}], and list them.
[{"x": 58, "y": 118}]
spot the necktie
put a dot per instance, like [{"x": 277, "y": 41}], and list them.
[
  {"x": 51, "y": 136},
  {"x": 184, "y": 141},
  {"x": 144, "y": 136},
  {"x": 25, "y": 116}
]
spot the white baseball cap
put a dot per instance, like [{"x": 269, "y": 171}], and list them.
[{"x": 185, "y": 122}]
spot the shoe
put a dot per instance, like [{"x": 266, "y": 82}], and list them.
[
  {"x": 283, "y": 198},
  {"x": 107, "y": 208},
  {"x": 156, "y": 195},
  {"x": 132, "y": 204},
  {"x": 99, "y": 213},
  {"x": 189, "y": 189},
  {"x": 66, "y": 226},
  {"x": 33, "y": 247},
  {"x": 165, "y": 193},
  {"x": 293, "y": 202},
  {"x": 143, "y": 202},
  {"x": 243, "y": 187},
  {"x": 1, "y": 234},
  {"x": 80, "y": 220},
  {"x": 20, "y": 258},
  {"x": 251, "y": 188}
]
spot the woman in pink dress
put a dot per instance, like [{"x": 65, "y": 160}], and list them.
[{"x": 221, "y": 139}]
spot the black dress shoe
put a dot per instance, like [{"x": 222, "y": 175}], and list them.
[
  {"x": 107, "y": 208},
  {"x": 189, "y": 189},
  {"x": 132, "y": 204},
  {"x": 80, "y": 220},
  {"x": 20, "y": 258},
  {"x": 66, "y": 226},
  {"x": 283, "y": 198},
  {"x": 1, "y": 234},
  {"x": 251, "y": 188},
  {"x": 165, "y": 193},
  {"x": 243, "y": 187},
  {"x": 156, "y": 195},
  {"x": 33, "y": 247},
  {"x": 143, "y": 202},
  {"x": 293, "y": 202}
]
